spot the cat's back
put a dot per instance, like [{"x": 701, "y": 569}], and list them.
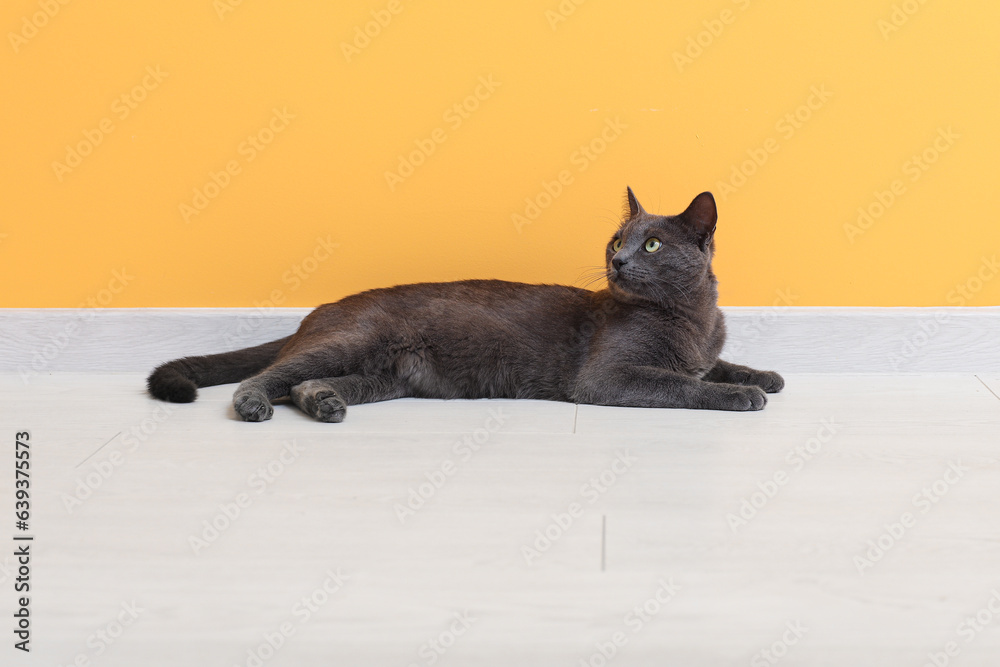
[{"x": 465, "y": 300}]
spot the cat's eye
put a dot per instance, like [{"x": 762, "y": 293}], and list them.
[
  {"x": 652, "y": 244},
  {"x": 617, "y": 245}
]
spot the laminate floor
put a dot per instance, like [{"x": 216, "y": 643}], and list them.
[{"x": 854, "y": 521}]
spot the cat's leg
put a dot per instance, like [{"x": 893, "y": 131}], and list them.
[
  {"x": 252, "y": 400},
  {"x": 652, "y": 387},
  {"x": 723, "y": 371},
  {"x": 327, "y": 399}
]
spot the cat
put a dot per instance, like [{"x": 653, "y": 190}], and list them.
[{"x": 650, "y": 339}]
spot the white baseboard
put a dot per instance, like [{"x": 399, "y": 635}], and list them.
[{"x": 786, "y": 339}]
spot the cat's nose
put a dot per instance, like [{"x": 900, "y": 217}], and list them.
[{"x": 617, "y": 262}]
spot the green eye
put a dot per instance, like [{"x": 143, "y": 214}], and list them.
[
  {"x": 652, "y": 244},
  {"x": 617, "y": 245}
]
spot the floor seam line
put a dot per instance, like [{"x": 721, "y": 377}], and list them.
[
  {"x": 987, "y": 386},
  {"x": 98, "y": 449}
]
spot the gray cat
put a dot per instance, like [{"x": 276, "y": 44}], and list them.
[{"x": 651, "y": 339}]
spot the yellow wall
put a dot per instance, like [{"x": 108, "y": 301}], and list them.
[{"x": 886, "y": 81}]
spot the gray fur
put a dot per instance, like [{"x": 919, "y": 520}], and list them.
[{"x": 651, "y": 339}]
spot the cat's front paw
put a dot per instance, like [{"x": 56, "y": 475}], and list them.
[
  {"x": 739, "y": 398},
  {"x": 769, "y": 381},
  {"x": 252, "y": 407}
]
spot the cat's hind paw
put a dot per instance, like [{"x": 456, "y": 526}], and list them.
[
  {"x": 320, "y": 401},
  {"x": 330, "y": 407},
  {"x": 253, "y": 407}
]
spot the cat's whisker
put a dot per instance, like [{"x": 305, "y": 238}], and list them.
[
  {"x": 591, "y": 275},
  {"x": 592, "y": 281},
  {"x": 594, "y": 272},
  {"x": 612, "y": 218}
]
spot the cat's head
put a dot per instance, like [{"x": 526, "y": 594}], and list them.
[{"x": 666, "y": 259}]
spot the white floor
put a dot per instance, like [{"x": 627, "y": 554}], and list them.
[{"x": 684, "y": 579}]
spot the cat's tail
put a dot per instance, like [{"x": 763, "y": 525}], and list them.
[{"x": 177, "y": 381}]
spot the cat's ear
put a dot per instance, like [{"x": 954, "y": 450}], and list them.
[
  {"x": 634, "y": 207},
  {"x": 702, "y": 215}
]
